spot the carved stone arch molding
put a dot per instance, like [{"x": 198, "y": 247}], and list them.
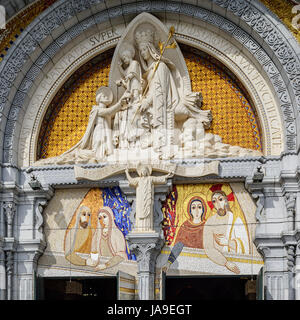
[{"x": 262, "y": 38}]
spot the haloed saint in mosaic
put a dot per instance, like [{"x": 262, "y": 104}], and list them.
[
  {"x": 95, "y": 235},
  {"x": 213, "y": 222}
]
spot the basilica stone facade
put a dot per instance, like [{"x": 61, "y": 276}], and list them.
[{"x": 149, "y": 140}]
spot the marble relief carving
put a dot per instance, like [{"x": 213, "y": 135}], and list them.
[{"x": 148, "y": 111}]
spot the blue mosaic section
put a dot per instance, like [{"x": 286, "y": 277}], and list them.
[{"x": 113, "y": 198}]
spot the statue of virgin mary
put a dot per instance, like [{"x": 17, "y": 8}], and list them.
[{"x": 166, "y": 98}]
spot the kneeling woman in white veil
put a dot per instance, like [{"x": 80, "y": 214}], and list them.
[{"x": 108, "y": 241}]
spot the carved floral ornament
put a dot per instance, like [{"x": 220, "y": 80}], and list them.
[{"x": 259, "y": 89}]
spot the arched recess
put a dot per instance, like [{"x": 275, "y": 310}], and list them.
[
  {"x": 226, "y": 51},
  {"x": 67, "y": 116},
  {"x": 53, "y": 33}
]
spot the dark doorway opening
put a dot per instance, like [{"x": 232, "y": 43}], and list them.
[
  {"x": 210, "y": 288},
  {"x": 77, "y": 288}
]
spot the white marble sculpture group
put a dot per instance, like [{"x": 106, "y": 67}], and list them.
[{"x": 148, "y": 112}]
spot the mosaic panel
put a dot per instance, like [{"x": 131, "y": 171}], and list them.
[
  {"x": 93, "y": 227},
  {"x": 209, "y": 228}
]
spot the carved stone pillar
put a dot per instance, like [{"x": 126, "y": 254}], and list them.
[
  {"x": 2, "y": 271},
  {"x": 297, "y": 269},
  {"x": 9, "y": 208},
  {"x": 9, "y": 212},
  {"x": 274, "y": 233},
  {"x": 147, "y": 245},
  {"x": 276, "y": 279},
  {"x": 290, "y": 244},
  {"x": 10, "y": 248},
  {"x": 29, "y": 253},
  {"x": 146, "y": 248},
  {"x": 290, "y": 200}
]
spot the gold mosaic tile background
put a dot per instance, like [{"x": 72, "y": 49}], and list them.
[
  {"x": 67, "y": 116},
  {"x": 233, "y": 117}
]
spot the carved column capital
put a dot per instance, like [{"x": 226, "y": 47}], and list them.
[
  {"x": 146, "y": 247},
  {"x": 264, "y": 250},
  {"x": 146, "y": 250},
  {"x": 9, "y": 210}
]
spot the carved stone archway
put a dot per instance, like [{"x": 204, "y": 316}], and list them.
[{"x": 48, "y": 38}]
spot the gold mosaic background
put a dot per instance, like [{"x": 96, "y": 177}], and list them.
[{"x": 67, "y": 116}]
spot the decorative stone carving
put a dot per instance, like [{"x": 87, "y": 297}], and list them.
[
  {"x": 258, "y": 174},
  {"x": 259, "y": 213},
  {"x": 9, "y": 211},
  {"x": 146, "y": 248},
  {"x": 290, "y": 200},
  {"x": 34, "y": 183},
  {"x": 9, "y": 273},
  {"x": 291, "y": 257},
  {"x": 198, "y": 169},
  {"x": 155, "y": 115},
  {"x": 38, "y": 218},
  {"x": 144, "y": 185},
  {"x": 9, "y": 262},
  {"x": 145, "y": 254}
]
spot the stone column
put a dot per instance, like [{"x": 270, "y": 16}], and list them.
[
  {"x": 31, "y": 243},
  {"x": 146, "y": 247},
  {"x": 290, "y": 201},
  {"x": 276, "y": 281},
  {"x": 9, "y": 212},
  {"x": 275, "y": 235},
  {"x": 2, "y": 271},
  {"x": 27, "y": 244},
  {"x": 10, "y": 209},
  {"x": 297, "y": 267},
  {"x": 290, "y": 243}
]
